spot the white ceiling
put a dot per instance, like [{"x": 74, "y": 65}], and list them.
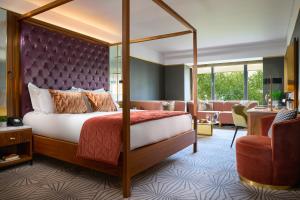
[
  {"x": 220, "y": 23},
  {"x": 230, "y": 22}
]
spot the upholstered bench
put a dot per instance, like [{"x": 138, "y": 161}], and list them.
[{"x": 157, "y": 105}]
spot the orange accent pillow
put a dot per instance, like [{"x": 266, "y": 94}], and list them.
[
  {"x": 102, "y": 102},
  {"x": 68, "y": 102}
]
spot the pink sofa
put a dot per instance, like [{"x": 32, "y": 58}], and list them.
[
  {"x": 223, "y": 108},
  {"x": 157, "y": 105}
]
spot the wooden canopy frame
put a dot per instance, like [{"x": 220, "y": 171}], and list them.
[
  {"x": 167, "y": 147},
  {"x": 44, "y": 8}
]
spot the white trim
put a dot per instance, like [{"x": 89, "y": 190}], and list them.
[
  {"x": 293, "y": 20},
  {"x": 145, "y": 53},
  {"x": 240, "y": 51}
]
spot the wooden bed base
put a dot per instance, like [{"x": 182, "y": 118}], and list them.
[
  {"x": 138, "y": 160},
  {"x": 131, "y": 162}
]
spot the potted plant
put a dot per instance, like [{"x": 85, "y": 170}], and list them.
[
  {"x": 3, "y": 121},
  {"x": 276, "y": 97}
]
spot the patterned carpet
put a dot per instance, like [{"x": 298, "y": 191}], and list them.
[{"x": 209, "y": 174}]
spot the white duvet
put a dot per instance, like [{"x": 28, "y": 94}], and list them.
[{"x": 67, "y": 127}]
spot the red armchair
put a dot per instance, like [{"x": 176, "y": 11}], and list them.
[{"x": 271, "y": 161}]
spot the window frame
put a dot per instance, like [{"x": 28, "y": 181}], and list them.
[{"x": 245, "y": 75}]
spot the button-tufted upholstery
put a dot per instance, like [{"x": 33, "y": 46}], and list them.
[{"x": 53, "y": 60}]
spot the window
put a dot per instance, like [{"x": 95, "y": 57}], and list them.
[
  {"x": 231, "y": 82},
  {"x": 204, "y": 83},
  {"x": 255, "y": 82},
  {"x": 115, "y": 70}
]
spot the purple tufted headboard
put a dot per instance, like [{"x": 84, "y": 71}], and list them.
[{"x": 53, "y": 60}]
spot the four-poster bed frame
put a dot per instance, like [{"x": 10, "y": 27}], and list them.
[{"x": 131, "y": 161}]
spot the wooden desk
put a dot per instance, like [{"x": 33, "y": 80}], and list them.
[{"x": 254, "y": 119}]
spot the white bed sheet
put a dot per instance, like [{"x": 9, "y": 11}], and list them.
[{"x": 67, "y": 127}]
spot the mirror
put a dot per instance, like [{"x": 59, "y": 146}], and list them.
[
  {"x": 3, "y": 45},
  {"x": 115, "y": 66}
]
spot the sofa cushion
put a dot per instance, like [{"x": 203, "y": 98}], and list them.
[
  {"x": 218, "y": 105},
  {"x": 254, "y": 158},
  {"x": 249, "y": 104},
  {"x": 228, "y": 105},
  {"x": 147, "y": 105},
  {"x": 225, "y": 117},
  {"x": 205, "y": 106},
  {"x": 159, "y": 105},
  {"x": 254, "y": 145},
  {"x": 180, "y": 106},
  {"x": 168, "y": 105},
  {"x": 204, "y": 114}
]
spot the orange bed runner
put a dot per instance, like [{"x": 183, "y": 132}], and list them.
[{"x": 100, "y": 137}]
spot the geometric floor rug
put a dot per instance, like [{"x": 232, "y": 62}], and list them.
[{"x": 209, "y": 174}]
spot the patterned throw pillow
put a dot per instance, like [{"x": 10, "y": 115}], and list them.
[
  {"x": 205, "y": 106},
  {"x": 169, "y": 105},
  {"x": 102, "y": 102},
  {"x": 68, "y": 102},
  {"x": 281, "y": 116}
]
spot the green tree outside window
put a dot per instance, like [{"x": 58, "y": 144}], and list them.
[
  {"x": 255, "y": 86},
  {"x": 204, "y": 86},
  {"x": 230, "y": 86}
]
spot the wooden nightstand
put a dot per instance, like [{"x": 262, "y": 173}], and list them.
[{"x": 17, "y": 140}]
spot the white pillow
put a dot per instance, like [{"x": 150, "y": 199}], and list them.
[
  {"x": 46, "y": 101},
  {"x": 40, "y": 99},
  {"x": 33, "y": 93},
  {"x": 83, "y": 90}
]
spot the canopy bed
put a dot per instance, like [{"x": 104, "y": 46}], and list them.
[{"x": 134, "y": 157}]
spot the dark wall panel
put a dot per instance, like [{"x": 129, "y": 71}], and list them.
[
  {"x": 174, "y": 82},
  {"x": 274, "y": 67},
  {"x": 187, "y": 83},
  {"x": 150, "y": 81},
  {"x": 147, "y": 80}
]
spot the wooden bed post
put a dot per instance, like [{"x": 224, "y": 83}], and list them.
[
  {"x": 133, "y": 162},
  {"x": 126, "y": 179},
  {"x": 185, "y": 23},
  {"x": 13, "y": 65},
  {"x": 44, "y": 8},
  {"x": 156, "y": 37},
  {"x": 195, "y": 90}
]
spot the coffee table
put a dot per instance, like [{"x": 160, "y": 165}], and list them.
[{"x": 206, "y": 128}]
